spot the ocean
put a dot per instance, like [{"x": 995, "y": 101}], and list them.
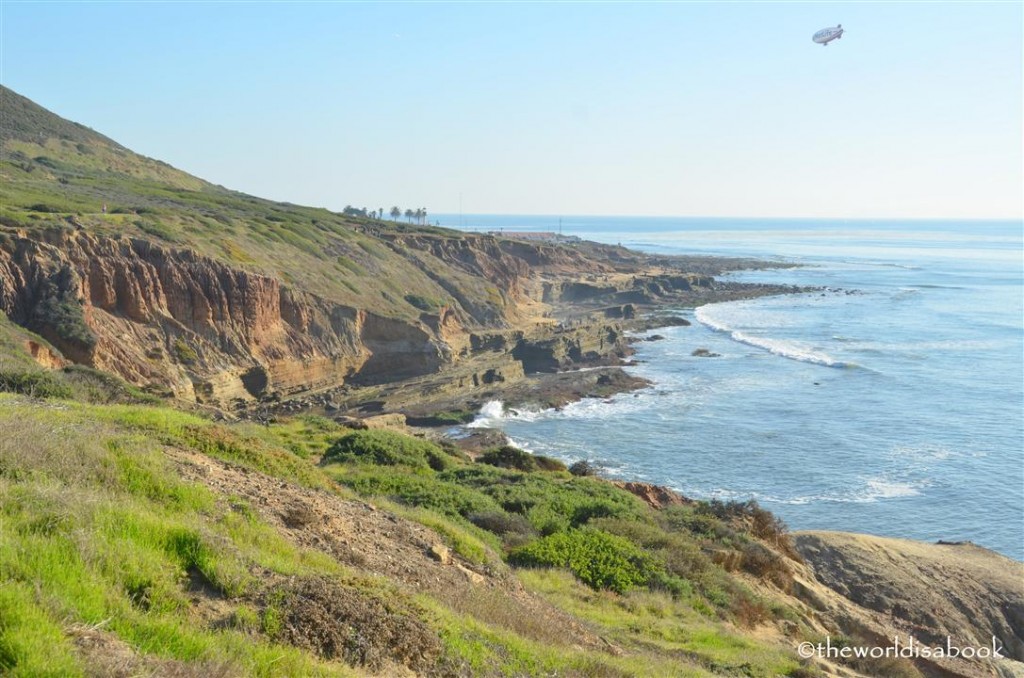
[{"x": 891, "y": 402}]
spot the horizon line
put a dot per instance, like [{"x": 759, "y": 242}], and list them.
[{"x": 723, "y": 217}]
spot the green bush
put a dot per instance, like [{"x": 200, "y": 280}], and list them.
[
  {"x": 37, "y": 384},
  {"x": 423, "y": 303},
  {"x": 421, "y": 490},
  {"x": 583, "y": 468},
  {"x": 511, "y": 457},
  {"x": 184, "y": 352},
  {"x": 387, "y": 448},
  {"x": 680, "y": 554},
  {"x": 551, "y": 503},
  {"x": 508, "y": 456},
  {"x": 64, "y": 315},
  {"x": 598, "y": 559}
]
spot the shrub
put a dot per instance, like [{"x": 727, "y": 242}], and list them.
[
  {"x": 598, "y": 559},
  {"x": 387, "y": 448},
  {"x": 156, "y": 230},
  {"x": 340, "y": 622},
  {"x": 760, "y": 522},
  {"x": 508, "y": 456},
  {"x": 184, "y": 352},
  {"x": 37, "y": 384},
  {"x": 444, "y": 418},
  {"x": 687, "y": 519},
  {"x": 422, "y": 303},
  {"x": 682, "y": 555},
  {"x": 43, "y": 207},
  {"x": 551, "y": 503},
  {"x": 766, "y": 564},
  {"x": 99, "y": 387},
  {"x": 64, "y": 315},
  {"x": 502, "y": 523},
  {"x": 583, "y": 468},
  {"x": 511, "y": 457},
  {"x": 419, "y": 490},
  {"x": 549, "y": 464}
]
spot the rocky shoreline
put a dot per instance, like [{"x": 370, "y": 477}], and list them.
[{"x": 579, "y": 354}]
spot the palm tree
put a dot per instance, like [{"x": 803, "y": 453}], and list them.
[
  {"x": 409, "y": 214},
  {"x": 395, "y": 213},
  {"x": 380, "y": 212}
]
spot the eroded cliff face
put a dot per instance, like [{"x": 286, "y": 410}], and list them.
[{"x": 172, "y": 319}]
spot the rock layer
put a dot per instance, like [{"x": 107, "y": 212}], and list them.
[{"x": 170, "y": 318}]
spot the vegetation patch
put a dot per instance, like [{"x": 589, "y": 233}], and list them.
[
  {"x": 511, "y": 457},
  {"x": 183, "y": 352},
  {"x": 600, "y": 560},
  {"x": 63, "y": 314},
  {"x": 343, "y": 622},
  {"x": 387, "y": 448},
  {"x": 34, "y": 383},
  {"x": 423, "y": 303}
]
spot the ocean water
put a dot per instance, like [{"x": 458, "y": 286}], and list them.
[{"x": 889, "y": 403}]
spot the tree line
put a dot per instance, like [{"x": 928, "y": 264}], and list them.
[{"x": 418, "y": 215}]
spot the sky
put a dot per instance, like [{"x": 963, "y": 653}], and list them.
[{"x": 668, "y": 109}]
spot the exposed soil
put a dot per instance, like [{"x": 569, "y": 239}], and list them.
[
  {"x": 107, "y": 656},
  {"x": 378, "y": 543},
  {"x": 878, "y": 587}
]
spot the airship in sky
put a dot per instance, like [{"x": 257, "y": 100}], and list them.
[{"x": 827, "y": 35}]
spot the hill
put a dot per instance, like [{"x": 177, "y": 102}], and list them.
[
  {"x": 128, "y": 265},
  {"x": 147, "y": 530}
]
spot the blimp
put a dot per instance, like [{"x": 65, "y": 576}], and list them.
[{"x": 827, "y": 35}]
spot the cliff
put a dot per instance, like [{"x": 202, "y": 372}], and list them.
[
  {"x": 130, "y": 266},
  {"x": 878, "y": 588}
]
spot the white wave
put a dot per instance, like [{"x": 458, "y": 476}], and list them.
[
  {"x": 873, "y": 490},
  {"x": 494, "y": 412},
  {"x": 878, "y": 488},
  {"x": 794, "y": 350},
  {"x": 521, "y": 445},
  {"x": 489, "y": 415}
]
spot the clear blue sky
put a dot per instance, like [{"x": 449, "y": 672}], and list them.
[{"x": 646, "y": 109}]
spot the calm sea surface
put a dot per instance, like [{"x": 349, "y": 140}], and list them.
[{"x": 890, "y": 404}]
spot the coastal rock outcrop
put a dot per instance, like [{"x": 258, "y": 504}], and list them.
[
  {"x": 880, "y": 586},
  {"x": 170, "y": 318}
]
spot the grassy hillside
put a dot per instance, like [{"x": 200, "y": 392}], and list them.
[
  {"x": 145, "y": 539},
  {"x": 54, "y": 172},
  {"x": 137, "y": 539}
]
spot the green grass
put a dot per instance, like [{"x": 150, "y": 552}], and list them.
[
  {"x": 75, "y": 174},
  {"x": 658, "y": 621},
  {"x": 98, "y": 529}
]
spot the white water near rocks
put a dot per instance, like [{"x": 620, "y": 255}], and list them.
[{"x": 891, "y": 403}]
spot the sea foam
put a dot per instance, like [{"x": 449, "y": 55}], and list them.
[{"x": 793, "y": 350}]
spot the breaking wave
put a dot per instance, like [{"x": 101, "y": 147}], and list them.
[
  {"x": 873, "y": 490},
  {"x": 793, "y": 350},
  {"x": 494, "y": 412}
]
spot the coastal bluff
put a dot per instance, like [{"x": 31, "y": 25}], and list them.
[{"x": 882, "y": 587}]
